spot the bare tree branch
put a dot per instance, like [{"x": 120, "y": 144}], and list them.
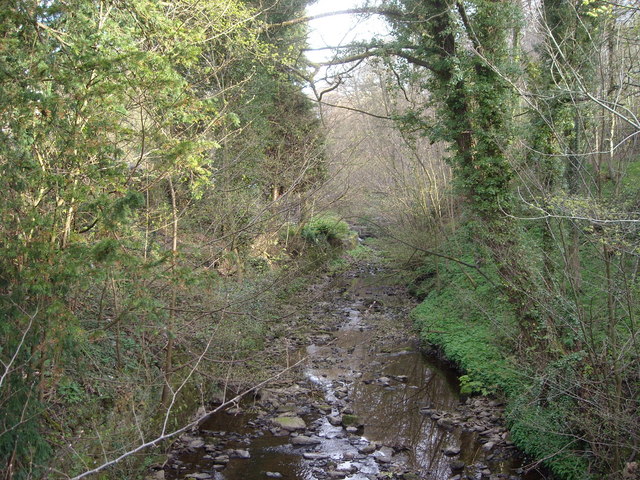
[{"x": 166, "y": 436}]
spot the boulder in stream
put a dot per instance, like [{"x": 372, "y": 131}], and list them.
[
  {"x": 290, "y": 423},
  {"x": 303, "y": 440}
]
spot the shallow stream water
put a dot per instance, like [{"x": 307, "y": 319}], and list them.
[{"x": 386, "y": 384}]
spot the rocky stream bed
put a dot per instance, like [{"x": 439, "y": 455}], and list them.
[{"x": 368, "y": 404}]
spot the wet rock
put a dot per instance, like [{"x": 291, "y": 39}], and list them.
[
  {"x": 335, "y": 420},
  {"x": 315, "y": 456},
  {"x": 352, "y": 429},
  {"x": 303, "y": 440},
  {"x": 200, "y": 476},
  {"x": 452, "y": 451},
  {"x": 368, "y": 449},
  {"x": 273, "y": 474},
  {"x": 384, "y": 455},
  {"x": 347, "y": 467},
  {"x": 197, "y": 443},
  {"x": 221, "y": 459},
  {"x": 488, "y": 446},
  {"x": 289, "y": 407},
  {"x": 323, "y": 407},
  {"x": 240, "y": 454},
  {"x": 337, "y": 474},
  {"x": 290, "y": 423},
  {"x": 445, "y": 423}
]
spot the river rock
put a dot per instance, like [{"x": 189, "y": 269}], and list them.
[
  {"x": 335, "y": 420},
  {"x": 200, "y": 476},
  {"x": 452, "y": 451},
  {"x": 368, "y": 449},
  {"x": 289, "y": 407},
  {"x": 384, "y": 455},
  {"x": 488, "y": 446},
  {"x": 221, "y": 459},
  {"x": 197, "y": 443},
  {"x": 445, "y": 423},
  {"x": 347, "y": 467},
  {"x": 290, "y": 423},
  {"x": 273, "y": 474},
  {"x": 323, "y": 407},
  {"x": 240, "y": 454},
  {"x": 457, "y": 466},
  {"x": 304, "y": 440},
  {"x": 315, "y": 456},
  {"x": 337, "y": 474}
]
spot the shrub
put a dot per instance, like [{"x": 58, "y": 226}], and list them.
[{"x": 327, "y": 229}]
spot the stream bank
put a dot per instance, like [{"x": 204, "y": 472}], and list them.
[{"x": 368, "y": 404}]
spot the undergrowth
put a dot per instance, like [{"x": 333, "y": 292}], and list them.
[{"x": 465, "y": 316}]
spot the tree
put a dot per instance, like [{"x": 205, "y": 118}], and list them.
[{"x": 112, "y": 118}]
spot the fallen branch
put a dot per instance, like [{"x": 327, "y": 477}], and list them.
[{"x": 186, "y": 427}]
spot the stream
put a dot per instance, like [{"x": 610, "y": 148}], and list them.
[{"x": 368, "y": 404}]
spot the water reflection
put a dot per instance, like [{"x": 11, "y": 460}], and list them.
[{"x": 387, "y": 389}]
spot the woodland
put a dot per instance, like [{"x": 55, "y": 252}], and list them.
[{"x": 172, "y": 173}]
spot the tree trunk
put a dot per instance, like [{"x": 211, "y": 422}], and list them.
[{"x": 168, "y": 361}]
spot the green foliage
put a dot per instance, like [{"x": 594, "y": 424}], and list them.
[
  {"x": 70, "y": 391},
  {"x": 326, "y": 230},
  {"x": 475, "y": 327},
  {"x": 536, "y": 430},
  {"x": 118, "y": 118}
]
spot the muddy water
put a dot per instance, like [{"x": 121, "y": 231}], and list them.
[{"x": 370, "y": 372}]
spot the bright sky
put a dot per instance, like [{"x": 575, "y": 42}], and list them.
[{"x": 340, "y": 29}]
